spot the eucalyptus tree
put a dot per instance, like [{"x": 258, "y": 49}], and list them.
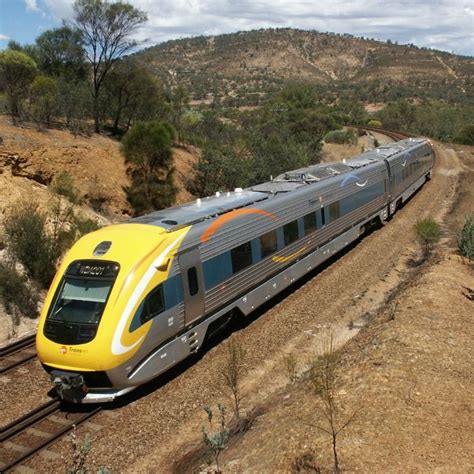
[{"x": 106, "y": 29}]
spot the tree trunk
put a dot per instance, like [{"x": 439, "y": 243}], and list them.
[{"x": 96, "y": 111}]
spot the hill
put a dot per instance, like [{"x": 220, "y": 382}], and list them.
[{"x": 242, "y": 66}]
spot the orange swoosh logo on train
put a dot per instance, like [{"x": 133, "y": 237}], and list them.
[{"x": 218, "y": 223}]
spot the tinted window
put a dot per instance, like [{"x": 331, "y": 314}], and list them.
[
  {"x": 193, "y": 281},
  {"x": 217, "y": 269},
  {"x": 333, "y": 211},
  {"x": 290, "y": 232},
  {"x": 309, "y": 223},
  {"x": 154, "y": 305},
  {"x": 80, "y": 301},
  {"x": 268, "y": 243},
  {"x": 241, "y": 257},
  {"x": 155, "y": 302}
]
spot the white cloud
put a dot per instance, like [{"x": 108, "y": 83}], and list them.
[
  {"x": 443, "y": 24},
  {"x": 4, "y": 37},
  {"x": 31, "y": 6}
]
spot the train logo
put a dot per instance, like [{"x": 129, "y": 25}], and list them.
[{"x": 63, "y": 350}]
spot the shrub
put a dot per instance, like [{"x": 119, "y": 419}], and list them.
[
  {"x": 216, "y": 441},
  {"x": 466, "y": 238},
  {"x": 37, "y": 240},
  {"x": 82, "y": 225},
  {"x": 341, "y": 137},
  {"x": 374, "y": 123},
  {"x": 290, "y": 363},
  {"x": 63, "y": 184},
  {"x": 466, "y": 135},
  {"x": 233, "y": 370},
  {"x": 428, "y": 233},
  {"x": 17, "y": 296}
]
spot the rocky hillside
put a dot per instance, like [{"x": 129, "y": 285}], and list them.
[
  {"x": 30, "y": 162},
  {"x": 256, "y": 62}
]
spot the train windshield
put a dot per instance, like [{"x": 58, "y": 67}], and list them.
[{"x": 80, "y": 301}]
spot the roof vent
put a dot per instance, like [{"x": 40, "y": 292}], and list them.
[
  {"x": 217, "y": 194},
  {"x": 102, "y": 248},
  {"x": 238, "y": 190},
  {"x": 198, "y": 202}
]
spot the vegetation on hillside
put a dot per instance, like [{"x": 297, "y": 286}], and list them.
[
  {"x": 293, "y": 106},
  {"x": 35, "y": 240}
]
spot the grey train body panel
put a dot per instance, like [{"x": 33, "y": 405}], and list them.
[{"x": 320, "y": 190}]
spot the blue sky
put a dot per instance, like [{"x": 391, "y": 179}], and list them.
[{"x": 443, "y": 24}]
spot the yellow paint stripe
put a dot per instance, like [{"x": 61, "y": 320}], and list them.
[{"x": 287, "y": 258}]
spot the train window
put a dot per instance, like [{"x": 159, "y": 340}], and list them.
[
  {"x": 173, "y": 291},
  {"x": 323, "y": 217},
  {"x": 217, "y": 269},
  {"x": 193, "y": 281},
  {"x": 155, "y": 302},
  {"x": 309, "y": 223},
  {"x": 334, "y": 211},
  {"x": 241, "y": 257},
  {"x": 268, "y": 243},
  {"x": 290, "y": 232}
]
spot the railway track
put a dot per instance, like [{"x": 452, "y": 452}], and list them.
[
  {"x": 393, "y": 134},
  {"x": 18, "y": 353},
  {"x": 34, "y": 432}
]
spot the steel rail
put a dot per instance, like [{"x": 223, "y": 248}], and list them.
[
  {"x": 16, "y": 348},
  {"x": 37, "y": 415}
]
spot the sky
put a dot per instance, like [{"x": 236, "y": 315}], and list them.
[{"x": 442, "y": 24}]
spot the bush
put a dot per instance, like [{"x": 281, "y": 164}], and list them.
[
  {"x": 466, "y": 135},
  {"x": 63, "y": 184},
  {"x": 428, "y": 233},
  {"x": 37, "y": 240},
  {"x": 18, "y": 298},
  {"x": 341, "y": 137},
  {"x": 466, "y": 238},
  {"x": 374, "y": 123}
]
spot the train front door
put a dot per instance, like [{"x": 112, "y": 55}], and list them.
[{"x": 193, "y": 284}]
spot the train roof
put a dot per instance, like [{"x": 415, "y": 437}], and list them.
[
  {"x": 173, "y": 218},
  {"x": 199, "y": 210}
]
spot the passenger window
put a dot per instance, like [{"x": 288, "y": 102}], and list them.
[
  {"x": 290, "y": 232},
  {"x": 333, "y": 211},
  {"x": 268, "y": 243},
  {"x": 309, "y": 223},
  {"x": 193, "y": 281},
  {"x": 217, "y": 269},
  {"x": 241, "y": 257},
  {"x": 155, "y": 302}
]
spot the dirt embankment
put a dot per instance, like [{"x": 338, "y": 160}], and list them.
[{"x": 30, "y": 160}]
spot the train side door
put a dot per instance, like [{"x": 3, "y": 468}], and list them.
[{"x": 193, "y": 284}]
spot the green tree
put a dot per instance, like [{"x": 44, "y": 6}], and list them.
[
  {"x": 17, "y": 72},
  {"x": 179, "y": 101},
  {"x": 105, "y": 30},
  {"x": 132, "y": 93},
  {"x": 60, "y": 53},
  {"x": 147, "y": 147},
  {"x": 45, "y": 97}
]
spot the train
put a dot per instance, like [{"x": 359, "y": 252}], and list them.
[{"x": 131, "y": 300}]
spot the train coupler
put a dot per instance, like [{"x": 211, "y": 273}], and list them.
[{"x": 69, "y": 385}]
